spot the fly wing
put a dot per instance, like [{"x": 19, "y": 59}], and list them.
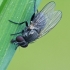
[
  {"x": 55, "y": 18},
  {"x": 47, "y": 18},
  {"x": 43, "y": 17}
]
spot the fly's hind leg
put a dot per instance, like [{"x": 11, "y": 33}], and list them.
[
  {"x": 33, "y": 16},
  {"x": 34, "y": 11},
  {"x": 37, "y": 10}
]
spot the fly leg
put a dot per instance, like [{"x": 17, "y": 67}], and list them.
[
  {"x": 37, "y": 10},
  {"x": 34, "y": 11},
  {"x": 34, "y": 6},
  {"x": 16, "y": 33},
  {"x": 19, "y": 23},
  {"x": 25, "y": 23}
]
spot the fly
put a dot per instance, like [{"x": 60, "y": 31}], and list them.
[{"x": 40, "y": 24}]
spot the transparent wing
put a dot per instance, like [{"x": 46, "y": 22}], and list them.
[
  {"x": 55, "y": 18},
  {"x": 47, "y": 18},
  {"x": 44, "y": 15}
]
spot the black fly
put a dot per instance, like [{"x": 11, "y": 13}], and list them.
[{"x": 40, "y": 24}]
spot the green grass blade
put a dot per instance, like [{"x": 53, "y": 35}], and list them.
[
  {"x": 1, "y": 2},
  {"x": 18, "y": 11}
]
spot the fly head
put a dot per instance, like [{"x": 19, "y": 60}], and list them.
[{"x": 20, "y": 41}]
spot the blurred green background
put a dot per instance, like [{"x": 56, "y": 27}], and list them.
[{"x": 51, "y": 52}]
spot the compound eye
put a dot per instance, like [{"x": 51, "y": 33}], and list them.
[{"x": 19, "y": 39}]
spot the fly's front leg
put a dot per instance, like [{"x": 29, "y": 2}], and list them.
[
  {"x": 14, "y": 42},
  {"x": 19, "y": 23}
]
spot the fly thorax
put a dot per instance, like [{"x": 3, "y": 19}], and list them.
[
  {"x": 25, "y": 34},
  {"x": 35, "y": 27},
  {"x": 31, "y": 32},
  {"x": 31, "y": 35},
  {"x": 31, "y": 27},
  {"x": 31, "y": 22}
]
